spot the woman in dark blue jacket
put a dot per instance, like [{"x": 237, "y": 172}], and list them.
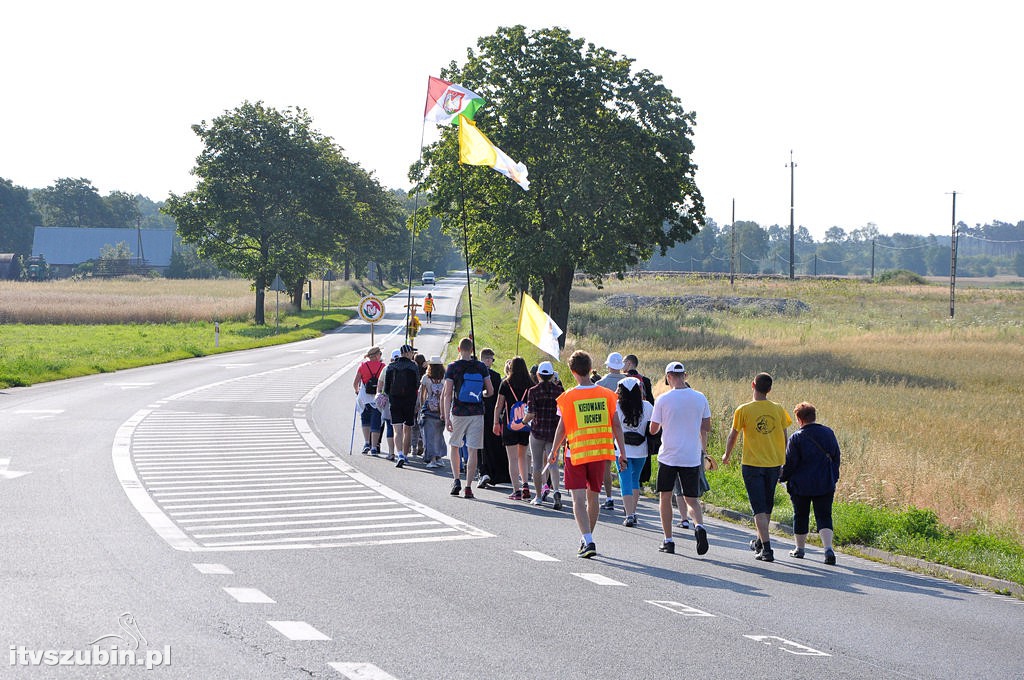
[{"x": 811, "y": 472}]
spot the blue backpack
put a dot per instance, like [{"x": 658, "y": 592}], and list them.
[{"x": 471, "y": 389}]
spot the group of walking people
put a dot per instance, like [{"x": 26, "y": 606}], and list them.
[{"x": 602, "y": 420}]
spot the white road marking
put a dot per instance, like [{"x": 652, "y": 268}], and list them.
[
  {"x": 129, "y": 385},
  {"x": 538, "y": 556},
  {"x": 361, "y": 671},
  {"x": 249, "y": 595},
  {"x": 298, "y": 630},
  {"x": 9, "y": 474},
  {"x": 786, "y": 645},
  {"x": 40, "y": 413},
  {"x": 208, "y": 568},
  {"x": 598, "y": 579},
  {"x": 679, "y": 608}
]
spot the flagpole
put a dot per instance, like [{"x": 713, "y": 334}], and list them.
[
  {"x": 465, "y": 254},
  {"x": 412, "y": 242},
  {"x": 519, "y": 322}
]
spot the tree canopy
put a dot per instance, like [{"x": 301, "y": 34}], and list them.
[
  {"x": 608, "y": 151},
  {"x": 18, "y": 217},
  {"x": 275, "y": 196}
]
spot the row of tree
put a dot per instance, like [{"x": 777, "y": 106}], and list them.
[{"x": 749, "y": 248}]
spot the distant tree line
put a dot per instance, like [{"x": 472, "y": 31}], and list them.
[{"x": 982, "y": 250}]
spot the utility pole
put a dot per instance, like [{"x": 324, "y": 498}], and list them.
[
  {"x": 732, "y": 259},
  {"x": 952, "y": 264},
  {"x": 792, "y": 248},
  {"x": 872, "y": 259}
]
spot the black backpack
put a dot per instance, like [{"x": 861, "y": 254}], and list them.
[
  {"x": 371, "y": 384},
  {"x": 404, "y": 381}
]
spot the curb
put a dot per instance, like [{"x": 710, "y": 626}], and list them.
[{"x": 910, "y": 563}]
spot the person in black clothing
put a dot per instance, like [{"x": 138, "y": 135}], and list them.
[
  {"x": 517, "y": 441},
  {"x": 401, "y": 384},
  {"x": 810, "y": 473},
  {"x": 493, "y": 460}
]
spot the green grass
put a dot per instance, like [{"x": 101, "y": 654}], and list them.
[{"x": 722, "y": 340}]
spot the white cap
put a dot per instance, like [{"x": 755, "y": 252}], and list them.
[
  {"x": 629, "y": 383},
  {"x": 435, "y": 359},
  {"x": 615, "y": 362},
  {"x": 545, "y": 368},
  {"x": 395, "y": 354},
  {"x": 675, "y": 367}
]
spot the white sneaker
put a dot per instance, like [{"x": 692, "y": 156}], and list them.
[{"x": 536, "y": 501}]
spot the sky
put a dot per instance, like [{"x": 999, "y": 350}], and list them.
[{"x": 887, "y": 107}]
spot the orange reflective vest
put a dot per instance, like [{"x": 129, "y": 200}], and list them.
[
  {"x": 587, "y": 414},
  {"x": 428, "y": 304}
]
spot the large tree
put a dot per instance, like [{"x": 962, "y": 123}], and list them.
[
  {"x": 18, "y": 218},
  {"x": 72, "y": 202},
  {"x": 608, "y": 151},
  {"x": 274, "y": 197}
]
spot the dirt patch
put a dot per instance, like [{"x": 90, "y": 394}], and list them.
[{"x": 708, "y": 303}]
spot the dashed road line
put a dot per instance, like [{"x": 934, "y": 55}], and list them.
[
  {"x": 249, "y": 595},
  {"x": 679, "y": 608},
  {"x": 536, "y": 556},
  {"x": 361, "y": 671},
  {"x": 210, "y": 568},
  {"x": 298, "y": 630},
  {"x": 598, "y": 579}
]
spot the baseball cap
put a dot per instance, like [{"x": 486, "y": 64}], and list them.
[
  {"x": 396, "y": 353},
  {"x": 614, "y": 361},
  {"x": 406, "y": 348},
  {"x": 545, "y": 368},
  {"x": 629, "y": 383},
  {"x": 675, "y": 367}
]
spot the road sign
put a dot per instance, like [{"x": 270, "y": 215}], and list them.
[
  {"x": 371, "y": 309},
  {"x": 278, "y": 284}
]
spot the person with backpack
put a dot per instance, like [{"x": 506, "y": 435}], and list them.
[
  {"x": 431, "y": 387},
  {"x": 365, "y": 385},
  {"x": 542, "y": 415},
  {"x": 634, "y": 414},
  {"x": 509, "y": 410},
  {"x": 466, "y": 384},
  {"x": 401, "y": 384}
]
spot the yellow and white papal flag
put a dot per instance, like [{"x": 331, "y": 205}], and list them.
[{"x": 538, "y": 327}]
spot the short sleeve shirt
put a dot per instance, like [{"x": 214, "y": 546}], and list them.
[
  {"x": 763, "y": 424},
  {"x": 540, "y": 399},
  {"x": 680, "y": 413},
  {"x": 454, "y": 372}
]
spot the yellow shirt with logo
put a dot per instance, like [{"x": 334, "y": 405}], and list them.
[
  {"x": 763, "y": 424},
  {"x": 587, "y": 414}
]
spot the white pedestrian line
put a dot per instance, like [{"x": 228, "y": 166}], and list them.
[
  {"x": 40, "y": 413},
  {"x": 679, "y": 608},
  {"x": 9, "y": 474},
  {"x": 249, "y": 595},
  {"x": 129, "y": 385},
  {"x": 786, "y": 645},
  {"x": 538, "y": 556},
  {"x": 338, "y": 515},
  {"x": 298, "y": 630},
  {"x": 361, "y": 671},
  {"x": 307, "y": 530},
  {"x": 209, "y": 568},
  {"x": 598, "y": 579}
]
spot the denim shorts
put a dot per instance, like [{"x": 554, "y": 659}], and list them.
[{"x": 760, "y": 483}]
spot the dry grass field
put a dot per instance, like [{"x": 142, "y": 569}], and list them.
[{"x": 925, "y": 407}]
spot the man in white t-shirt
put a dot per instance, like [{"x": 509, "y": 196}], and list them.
[{"x": 685, "y": 416}]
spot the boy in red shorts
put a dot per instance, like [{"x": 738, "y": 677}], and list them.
[{"x": 587, "y": 422}]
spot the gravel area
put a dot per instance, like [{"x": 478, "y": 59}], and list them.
[{"x": 707, "y": 303}]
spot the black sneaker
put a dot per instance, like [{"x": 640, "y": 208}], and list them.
[
  {"x": 588, "y": 551},
  {"x": 608, "y": 505},
  {"x": 456, "y": 487},
  {"x": 797, "y": 553},
  {"x": 366, "y": 449},
  {"x": 630, "y": 521},
  {"x": 830, "y": 556},
  {"x": 557, "y": 504},
  {"x": 583, "y": 546},
  {"x": 766, "y": 555},
  {"x": 667, "y": 547},
  {"x": 701, "y": 534},
  {"x": 755, "y": 545}
]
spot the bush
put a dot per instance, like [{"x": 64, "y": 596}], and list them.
[{"x": 900, "y": 277}]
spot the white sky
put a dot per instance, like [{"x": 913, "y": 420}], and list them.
[{"x": 887, "y": 106}]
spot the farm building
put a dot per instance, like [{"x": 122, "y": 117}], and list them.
[{"x": 67, "y": 247}]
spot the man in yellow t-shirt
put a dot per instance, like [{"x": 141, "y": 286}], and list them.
[{"x": 763, "y": 424}]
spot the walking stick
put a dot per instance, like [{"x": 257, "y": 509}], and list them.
[{"x": 352, "y": 441}]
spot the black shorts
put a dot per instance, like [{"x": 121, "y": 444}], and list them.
[
  {"x": 403, "y": 411},
  {"x": 514, "y": 438},
  {"x": 760, "y": 483},
  {"x": 688, "y": 479}
]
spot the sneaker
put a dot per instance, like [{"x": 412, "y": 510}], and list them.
[
  {"x": 366, "y": 449},
  {"x": 526, "y": 492},
  {"x": 401, "y": 460},
  {"x": 456, "y": 487},
  {"x": 701, "y": 534},
  {"x": 685, "y": 523},
  {"x": 434, "y": 463},
  {"x": 537, "y": 501},
  {"x": 374, "y": 451},
  {"x": 630, "y": 521},
  {"x": 830, "y": 556},
  {"x": 766, "y": 555},
  {"x": 588, "y": 551},
  {"x": 516, "y": 495},
  {"x": 608, "y": 505},
  {"x": 557, "y": 503},
  {"x": 755, "y": 545},
  {"x": 484, "y": 481},
  {"x": 797, "y": 553},
  {"x": 468, "y": 493},
  {"x": 391, "y": 456},
  {"x": 668, "y": 547},
  {"x": 545, "y": 492}
]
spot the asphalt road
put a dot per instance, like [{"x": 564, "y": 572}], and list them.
[{"x": 210, "y": 511}]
